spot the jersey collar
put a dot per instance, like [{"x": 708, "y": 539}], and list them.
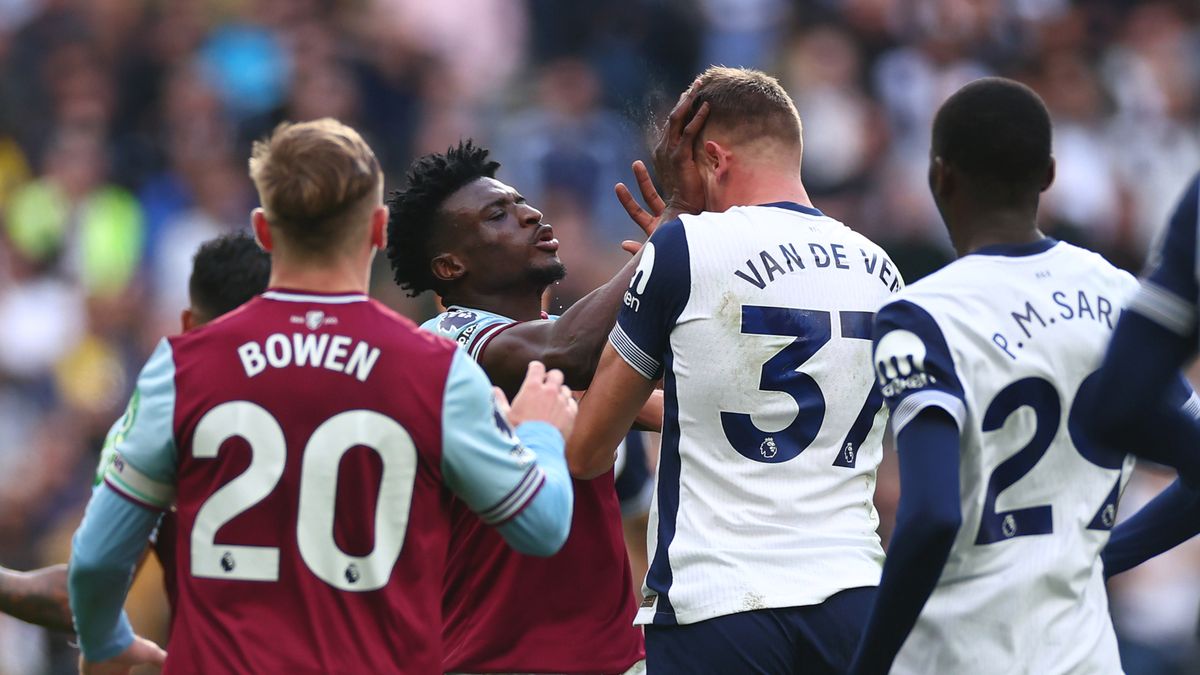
[
  {"x": 292, "y": 295},
  {"x": 461, "y": 308},
  {"x": 793, "y": 206},
  {"x": 1018, "y": 250}
]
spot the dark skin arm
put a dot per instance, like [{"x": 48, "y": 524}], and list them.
[
  {"x": 604, "y": 414},
  {"x": 38, "y": 597},
  {"x": 573, "y": 343}
]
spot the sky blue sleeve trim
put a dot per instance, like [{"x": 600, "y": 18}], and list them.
[
  {"x": 541, "y": 526},
  {"x": 646, "y": 365},
  {"x": 517, "y": 481},
  {"x": 144, "y": 468},
  {"x": 104, "y": 554},
  {"x": 1164, "y": 308}
]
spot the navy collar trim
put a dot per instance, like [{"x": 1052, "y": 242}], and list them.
[
  {"x": 793, "y": 206},
  {"x": 1018, "y": 250}
]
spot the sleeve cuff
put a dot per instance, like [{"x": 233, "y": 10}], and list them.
[
  {"x": 117, "y": 642},
  {"x": 517, "y": 499},
  {"x": 1164, "y": 308},
  {"x": 911, "y": 406},
  {"x": 646, "y": 365}
]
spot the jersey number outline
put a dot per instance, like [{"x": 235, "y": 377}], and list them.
[
  {"x": 812, "y": 329},
  {"x": 317, "y": 496},
  {"x": 1043, "y": 398}
]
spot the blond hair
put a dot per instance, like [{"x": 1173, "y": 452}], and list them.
[
  {"x": 315, "y": 180},
  {"x": 748, "y": 105}
]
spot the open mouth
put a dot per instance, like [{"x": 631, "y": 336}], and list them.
[{"x": 545, "y": 240}]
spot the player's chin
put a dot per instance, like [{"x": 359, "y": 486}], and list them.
[{"x": 549, "y": 270}]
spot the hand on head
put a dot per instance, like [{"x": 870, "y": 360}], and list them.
[{"x": 676, "y": 169}]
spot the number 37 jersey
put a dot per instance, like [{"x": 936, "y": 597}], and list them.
[
  {"x": 1005, "y": 340},
  {"x": 758, "y": 320},
  {"x": 308, "y": 442}
]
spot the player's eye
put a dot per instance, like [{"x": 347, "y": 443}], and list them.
[{"x": 498, "y": 215}]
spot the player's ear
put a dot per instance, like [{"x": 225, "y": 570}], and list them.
[
  {"x": 379, "y": 222},
  {"x": 447, "y": 267},
  {"x": 941, "y": 182},
  {"x": 262, "y": 229},
  {"x": 1050, "y": 173}
]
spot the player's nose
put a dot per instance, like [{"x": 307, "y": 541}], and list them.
[{"x": 528, "y": 216}]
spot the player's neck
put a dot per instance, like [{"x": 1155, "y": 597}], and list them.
[
  {"x": 334, "y": 278},
  {"x": 516, "y": 306},
  {"x": 762, "y": 187},
  {"x": 995, "y": 228}
]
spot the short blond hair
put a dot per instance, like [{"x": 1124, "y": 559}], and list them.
[
  {"x": 748, "y": 104},
  {"x": 315, "y": 180}
]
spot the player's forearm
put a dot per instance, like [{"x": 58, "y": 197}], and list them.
[
  {"x": 542, "y": 527},
  {"x": 1168, "y": 520},
  {"x": 605, "y": 415},
  {"x": 105, "y": 551},
  {"x": 38, "y": 597},
  {"x": 927, "y": 523},
  {"x": 650, "y": 417},
  {"x": 579, "y": 335}
]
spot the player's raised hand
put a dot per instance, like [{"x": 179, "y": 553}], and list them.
[
  {"x": 673, "y": 156},
  {"x": 544, "y": 398},
  {"x": 648, "y": 220},
  {"x": 141, "y": 653}
]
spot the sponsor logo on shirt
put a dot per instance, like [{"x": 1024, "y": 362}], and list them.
[
  {"x": 465, "y": 336},
  {"x": 641, "y": 277},
  {"x": 900, "y": 363},
  {"x": 314, "y": 319}
]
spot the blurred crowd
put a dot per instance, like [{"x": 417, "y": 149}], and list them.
[{"x": 125, "y": 126}]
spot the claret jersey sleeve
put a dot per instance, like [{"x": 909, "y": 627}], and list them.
[
  {"x": 913, "y": 365},
  {"x": 516, "y": 480},
  {"x": 657, "y": 294}
]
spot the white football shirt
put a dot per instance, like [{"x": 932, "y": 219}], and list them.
[
  {"x": 758, "y": 319},
  {"x": 1004, "y": 340}
]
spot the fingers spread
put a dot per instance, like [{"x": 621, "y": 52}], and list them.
[
  {"x": 646, "y": 185},
  {"x": 639, "y": 215}
]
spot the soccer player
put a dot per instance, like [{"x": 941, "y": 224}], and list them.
[
  {"x": 456, "y": 230},
  {"x": 307, "y": 441},
  {"x": 1006, "y": 501},
  {"x": 1155, "y": 337},
  {"x": 226, "y": 272},
  {"x": 756, "y": 314}
]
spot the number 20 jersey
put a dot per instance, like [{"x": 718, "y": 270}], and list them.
[
  {"x": 308, "y": 442},
  {"x": 1003, "y": 340},
  {"x": 758, "y": 320}
]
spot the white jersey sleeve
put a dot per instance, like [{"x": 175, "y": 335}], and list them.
[
  {"x": 914, "y": 366},
  {"x": 657, "y": 294}
]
